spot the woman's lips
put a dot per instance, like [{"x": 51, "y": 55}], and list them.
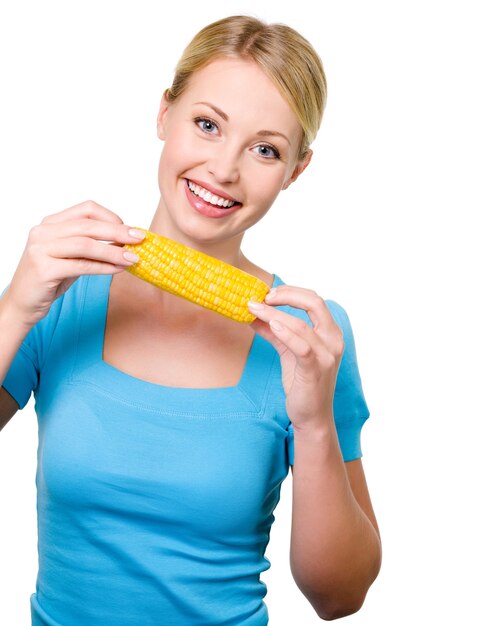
[
  {"x": 206, "y": 208},
  {"x": 203, "y": 188}
]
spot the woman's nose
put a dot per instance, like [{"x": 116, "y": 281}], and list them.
[{"x": 224, "y": 164}]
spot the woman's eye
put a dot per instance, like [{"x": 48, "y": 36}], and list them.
[
  {"x": 268, "y": 152},
  {"x": 206, "y": 125}
]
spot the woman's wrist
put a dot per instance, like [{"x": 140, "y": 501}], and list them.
[
  {"x": 319, "y": 429},
  {"x": 12, "y": 332},
  {"x": 11, "y": 319},
  {"x": 313, "y": 441}
]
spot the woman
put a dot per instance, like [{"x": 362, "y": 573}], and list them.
[{"x": 165, "y": 430}]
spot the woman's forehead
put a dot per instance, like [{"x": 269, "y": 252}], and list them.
[{"x": 241, "y": 87}]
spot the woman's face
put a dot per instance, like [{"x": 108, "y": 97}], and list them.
[{"x": 231, "y": 145}]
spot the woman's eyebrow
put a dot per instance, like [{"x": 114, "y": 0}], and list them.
[
  {"x": 272, "y": 133},
  {"x": 260, "y": 133},
  {"x": 216, "y": 109}
]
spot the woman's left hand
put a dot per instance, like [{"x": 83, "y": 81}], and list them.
[{"x": 310, "y": 356}]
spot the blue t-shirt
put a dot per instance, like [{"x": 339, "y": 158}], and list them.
[{"x": 155, "y": 503}]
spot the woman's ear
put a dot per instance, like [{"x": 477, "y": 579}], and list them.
[
  {"x": 161, "y": 117},
  {"x": 299, "y": 169}
]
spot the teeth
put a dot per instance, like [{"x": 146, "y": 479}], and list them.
[{"x": 209, "y": 197}]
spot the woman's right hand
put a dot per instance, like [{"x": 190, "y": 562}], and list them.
[{"x": 84, "y": 239}]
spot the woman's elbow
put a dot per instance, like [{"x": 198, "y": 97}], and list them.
[
  {"x": 329, "y": 611},
  {"x": 331, "y": 604},
  {"x": 333, "y": 596}
]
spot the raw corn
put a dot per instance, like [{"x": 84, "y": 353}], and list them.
[{"x": 196, "y": 276}]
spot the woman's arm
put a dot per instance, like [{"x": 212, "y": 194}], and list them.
[
  {"x": 8, "y": 407},
  {"x": 59, "y": 250},
  {"x": 12, "y": 333},
  {"x": 335, "y": 543}
]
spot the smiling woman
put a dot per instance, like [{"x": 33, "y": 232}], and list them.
[
  {"x": 166, "y": 430},
  {"x": 229, "y": 158}
]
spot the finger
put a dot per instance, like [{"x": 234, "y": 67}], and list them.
[
  {"x": 89, "y": 209},
  {"x": 307, "y": 300},
  {"x": 302, "y": 349},
  {"x": 267, "y": 313},
  {"x": 73, "y": 268},
  {"x": 89, "y": 249},
  {"x": 85, "y": 227}
]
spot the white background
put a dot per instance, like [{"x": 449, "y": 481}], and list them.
[{"x": 386, "y": 221}]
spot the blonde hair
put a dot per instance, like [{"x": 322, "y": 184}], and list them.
[{"x": 286, "y": 57}]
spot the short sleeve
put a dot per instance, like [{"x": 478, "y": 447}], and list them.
[
  {"x": 349, "y": 406},
  {"x": 22, "y": 378}
]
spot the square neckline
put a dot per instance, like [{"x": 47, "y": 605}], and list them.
[
  {"x": 89, "y": 369},
  {"x": 119, "y": 373}
]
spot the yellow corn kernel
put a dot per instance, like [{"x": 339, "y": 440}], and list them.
[{"x": 196, "y": 276}]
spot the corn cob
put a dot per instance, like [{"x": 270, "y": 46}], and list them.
[{"x": 196, "y": 276}]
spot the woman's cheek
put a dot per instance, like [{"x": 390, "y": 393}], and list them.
[{"x": 267, "y": 182}]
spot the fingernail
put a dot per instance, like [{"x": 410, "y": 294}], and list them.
[
  {"x": 272, "y": 293},
  {"x": 275, "y": 325},
  {"x": 136, "y": 234},
  {"x": 257, "y": 306},
  {"x": 130, "y": 256}
]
